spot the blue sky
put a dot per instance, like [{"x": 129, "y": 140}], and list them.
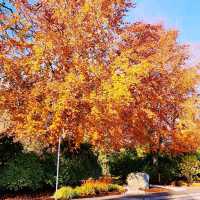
[{"x": 183, "y": 15}]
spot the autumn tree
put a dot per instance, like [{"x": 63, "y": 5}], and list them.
[
  {"x": 76, "y": 68},
  {"x": 151, "y": 98}
]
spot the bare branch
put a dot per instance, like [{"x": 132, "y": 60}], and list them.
[{"x": 6, "y": 7}]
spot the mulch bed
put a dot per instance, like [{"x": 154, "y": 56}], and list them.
[
  {"x": 26, "y": 197},
  {"x": 156, "y": 190},
  {"x": 47, "y": 196}
]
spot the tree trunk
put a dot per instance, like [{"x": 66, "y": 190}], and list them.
[{"x": 156, "y": 165}]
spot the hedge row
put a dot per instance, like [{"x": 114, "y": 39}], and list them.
[
  {"x": 28, "y": 171},
  {"x": 166, "y": 170}
]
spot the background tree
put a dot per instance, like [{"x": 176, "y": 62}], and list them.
[{"x": 144, "y": 101}]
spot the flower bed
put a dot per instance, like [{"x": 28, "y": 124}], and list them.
[{"x": 90, "y": 188}]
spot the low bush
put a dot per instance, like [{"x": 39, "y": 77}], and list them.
[
  {"x": 101, "y": 188},
  {"x": 22, "y": 172},
  {"x": 124, "y": 162},
  {"x": 64, "y": 193},
  {"x": 85, "y": 190},
  {"x": 115, "y": 187},
  {"x": 190, "y": 167}
]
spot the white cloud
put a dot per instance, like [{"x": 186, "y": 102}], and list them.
[{"x": 194, "y": 51}]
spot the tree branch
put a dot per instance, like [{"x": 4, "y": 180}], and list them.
[{"x": 6, "y": 7}]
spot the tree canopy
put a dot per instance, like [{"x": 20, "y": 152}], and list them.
[{"x": 75, "y": 68}]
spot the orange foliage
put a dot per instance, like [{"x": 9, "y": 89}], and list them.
[
  {"x": 103, "y": 180},
  {"x": 158, "y": 104},
  {"x": 74, "y": 68}
]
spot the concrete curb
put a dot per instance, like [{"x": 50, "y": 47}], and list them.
[{"x": 172, "y": 188}]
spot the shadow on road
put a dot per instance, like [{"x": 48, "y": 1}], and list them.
[{"x": 147, "y": 196}]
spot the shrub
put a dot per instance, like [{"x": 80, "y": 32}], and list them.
[
  {"x": 101, "y": 187},
  {"x": 103, "y": 179},
  {"x": 64, "y": 193},
  {"x": 115, "y": 187},
  {"x": 74, "y": 166},
  {"x": 22, "y": 172},
  {"x": 180, "y": 183},
  {"x": 85, "y": 190},
  {"x": 123, "y": 163},
  {"x": 190, "y": 167},
  {"x": 78, "y": 166},
  {"x": 48, "y": 162},
  {"x": 167, "y": 167},
  {"x": 8, "y": 150}
]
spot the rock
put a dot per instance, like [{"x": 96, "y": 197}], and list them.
[{"x": 138, "y": 181}]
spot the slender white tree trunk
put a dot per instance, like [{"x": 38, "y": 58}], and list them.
[{"x": 58, "y": 163}]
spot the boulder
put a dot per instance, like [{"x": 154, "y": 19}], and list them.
[{"x": 138, "y": 181}]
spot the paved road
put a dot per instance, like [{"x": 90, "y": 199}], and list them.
[
  {"x": 189, "y": 194},
  {"x": 169, "y": 197},
  {"x": 186, "y": 194}
]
